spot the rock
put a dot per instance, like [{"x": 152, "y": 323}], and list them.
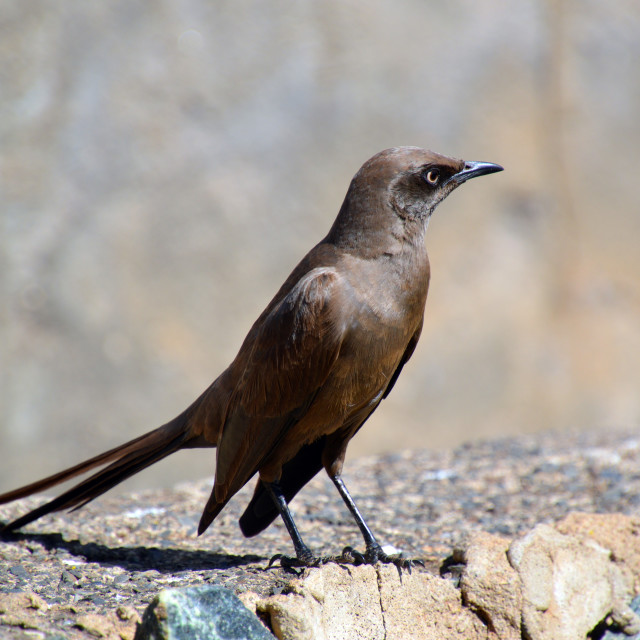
[
  {"x": 424, "y": 607},
  {"x": 95, "y": 625},
  {"x": 614, "y": 531},
  {"x": 366, "y": 602},
  {"x": 569, "y": 585},
  {"x": 19, "y": 571},
  {"x": 621, "y": 634},
  {"x": 119, "y": 624},
  {"x": 25, "y": 610},
  {"x": 329, "y": 602},
  {"x": 490, "y": 585},
  {"x": 199, "y": 613},
  {"x": 127, "y": 614}
]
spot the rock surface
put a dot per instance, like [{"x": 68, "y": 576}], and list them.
[
  {"x": 621, "y": 634},
  {"x": 490, "y": 585},
  {"x": 545, "y": 585},
  {"x": 369, "y": 603},
  {"x": 612, "y": 531},
  {"x": 93, "y": 573},
  {"x": 569, "y": 586}
]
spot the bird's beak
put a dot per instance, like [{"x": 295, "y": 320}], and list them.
[{"x": 473, "y": 170}]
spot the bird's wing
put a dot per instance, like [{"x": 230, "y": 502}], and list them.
[
  {"x": 286, "y": 362},
  {"x": 296, "y": 345},
  {"x": 261, "y": 511}
]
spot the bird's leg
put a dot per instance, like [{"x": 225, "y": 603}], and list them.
[
  {"x": 372, "y": 545},
  {"x": 374, "y": 552},
  {"x": 303, "y": 554}
]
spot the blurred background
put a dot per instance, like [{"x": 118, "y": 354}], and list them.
[{"x": 163, "y": 167}]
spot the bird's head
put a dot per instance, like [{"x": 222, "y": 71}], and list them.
[
  {"x": 395, "y": 192},
  {"x": 418, "y": 180}
]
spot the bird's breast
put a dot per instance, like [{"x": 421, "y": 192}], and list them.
[
  {"x": 389, "y": 293},
  {"x": 387, "y": 307}
]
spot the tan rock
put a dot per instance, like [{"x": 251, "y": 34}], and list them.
[
  {"x": 95, "y": 625},
  {"x": 127, "y": 614},
  {"x": 331, "y": 602},
  {"x": 569, "y": 585},
  {"x": 250, "y": 600},
  {"x": 26, "y": 610},
  {"x": 614, "y": 531},
  {"x": 424, "y": 607},
  {"x": 335, "y": 603},
  {"x": 14, "y": 602},
  {"x": 490, "y": 585}
]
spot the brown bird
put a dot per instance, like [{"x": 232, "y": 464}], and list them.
[{"x": 315, "y": 365}]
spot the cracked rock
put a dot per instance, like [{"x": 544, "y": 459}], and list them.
[
  {"x": 351, "y": 603},
  {"x": 490, "y": 585}
]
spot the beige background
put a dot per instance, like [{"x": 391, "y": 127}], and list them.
[{"x": 164, "y": 165}]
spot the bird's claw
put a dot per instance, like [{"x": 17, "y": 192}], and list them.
[
  {"x": 349, "y": 555},
  {"x": 376, "y": 554},
  {"x": 291, "y": 564},
  {"x": 275, "y": 558}
]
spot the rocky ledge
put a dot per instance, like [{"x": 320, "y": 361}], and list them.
[{"x": 532, "y": 537}]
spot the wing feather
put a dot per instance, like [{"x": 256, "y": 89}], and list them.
[{"x": 287, "y": 362}]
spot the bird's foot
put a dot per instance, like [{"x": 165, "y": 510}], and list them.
[
  {"x": 294, "y": 565},
  {"x": 348, "y": 556},
  {"x": 303, "y": 560},
  {"x": 375, "y": 553},
  {"x": 287, "y": 563}
]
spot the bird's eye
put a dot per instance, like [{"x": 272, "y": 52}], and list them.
[{"x": 431, "y": 176}]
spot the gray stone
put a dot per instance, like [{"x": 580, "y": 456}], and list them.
[
  {"x": 199, "y": 613},
  {"x": 19, "y": 571}
]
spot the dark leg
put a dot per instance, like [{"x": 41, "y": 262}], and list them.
[
  {"x": 374, "y": 552},
  {"x": 373, "y": 548},
  {"x": 303, "y": 553}
]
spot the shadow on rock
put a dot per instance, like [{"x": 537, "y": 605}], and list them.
[{"x": 138, "y": 558}]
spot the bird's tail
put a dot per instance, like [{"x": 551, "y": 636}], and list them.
[{"x": 126, "y": 460}]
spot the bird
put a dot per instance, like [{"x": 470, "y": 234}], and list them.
[{"x": 315, "y": 365}]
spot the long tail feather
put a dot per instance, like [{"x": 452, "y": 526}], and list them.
[
  {"x": 126, "y": 460},
  {"x": 67, "y": 474}
]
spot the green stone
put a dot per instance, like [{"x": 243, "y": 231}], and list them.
[{"x": 200, "y": 613}]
